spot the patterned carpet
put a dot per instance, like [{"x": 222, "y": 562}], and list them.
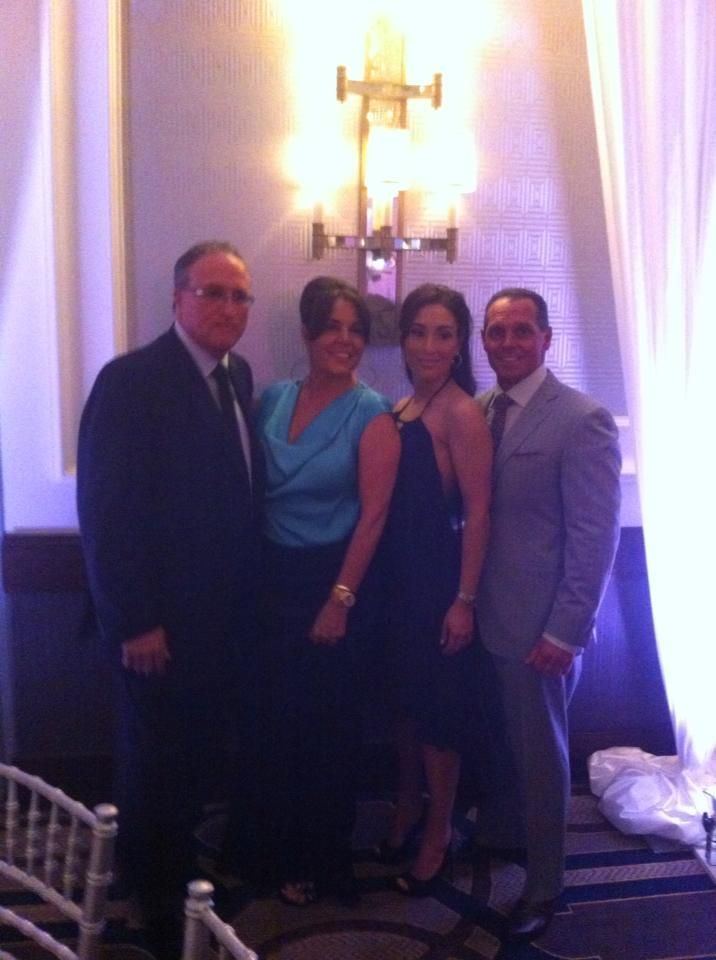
[
  {"x": 623, "y": 901},
  {"x": 121, "y": 941}
]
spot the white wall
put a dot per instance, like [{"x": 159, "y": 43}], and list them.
[
  {"x": 212, "y": 96},
  {"x": 61, "y": 307}
]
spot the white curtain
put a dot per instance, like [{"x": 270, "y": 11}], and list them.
[{"x": 653, "y": 75}]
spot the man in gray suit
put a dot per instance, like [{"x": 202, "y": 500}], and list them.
[{"x": 554, "y": 533}]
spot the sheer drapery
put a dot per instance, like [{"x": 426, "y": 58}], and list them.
[{"x": 653, "y": 74}]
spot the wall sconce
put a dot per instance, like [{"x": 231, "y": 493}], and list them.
[{"x": 385, "y": 168}]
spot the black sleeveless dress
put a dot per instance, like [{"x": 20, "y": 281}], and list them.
[{"x": 423, "y": 545}]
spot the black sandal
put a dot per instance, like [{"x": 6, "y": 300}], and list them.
[{"x": 390, "y": 855}]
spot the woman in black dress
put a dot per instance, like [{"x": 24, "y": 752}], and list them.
[{"x": 437, "y": 531}]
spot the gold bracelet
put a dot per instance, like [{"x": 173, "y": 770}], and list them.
[{"x": 343, "y": 595}]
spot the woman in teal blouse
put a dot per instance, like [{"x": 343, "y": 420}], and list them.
[{"x": 331, "y": 451}]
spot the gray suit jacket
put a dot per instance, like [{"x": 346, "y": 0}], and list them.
[{"x": 554, "y": 522}]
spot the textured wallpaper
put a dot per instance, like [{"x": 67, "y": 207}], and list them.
[{"x": 213, "y": 102}]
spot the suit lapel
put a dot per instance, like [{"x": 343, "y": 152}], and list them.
[
  {"x": 241, "y": 388},
  {"x": 201, "y": 405},
  {"x": 531, "y": 417},
  {"x": 187, "y": 377},
  {"x": 241, "y": 381}
]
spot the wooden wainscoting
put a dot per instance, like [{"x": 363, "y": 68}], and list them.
[{"x": 42, "y": 563}]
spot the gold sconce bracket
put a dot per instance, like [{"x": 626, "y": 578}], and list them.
[
  {"x": 383, "y": 242},
  {"x": 387, "y": 90}
]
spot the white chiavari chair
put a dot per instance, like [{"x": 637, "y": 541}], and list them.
[
  {"x": 59, "y": 850},
  {"x": 206, "y": 936}
]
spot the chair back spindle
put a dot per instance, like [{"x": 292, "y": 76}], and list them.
[
  {"x": 63, "y": 853},
  {"x": 202, "y": 926}
]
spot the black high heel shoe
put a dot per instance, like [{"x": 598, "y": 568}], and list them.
[
  {"x": 391, "y": 855},
  {"x": 410, "y": 886}
]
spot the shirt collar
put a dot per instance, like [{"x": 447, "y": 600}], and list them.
[
  {"x": 204, "y": 360},
  {"x": 523, "y": 391}
]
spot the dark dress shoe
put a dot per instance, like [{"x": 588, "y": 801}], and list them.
[{"x": 530, "y": 920}]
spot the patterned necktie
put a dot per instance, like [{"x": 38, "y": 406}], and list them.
[{"x": 499, "y": 415}]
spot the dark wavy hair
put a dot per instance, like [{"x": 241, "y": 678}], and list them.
[
  {"x": 521, "y": 293},
  {"x": 317, "y": 300},
  {"x": 428, "y": 294}
]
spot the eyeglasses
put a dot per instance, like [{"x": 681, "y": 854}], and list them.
[{"x": 221, "y": 295}]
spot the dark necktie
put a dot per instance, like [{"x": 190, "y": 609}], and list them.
[
  {"x": 226, "y": 400},
  {"x": 499, "y": 415},
  {"x": 228, "y": 412}
]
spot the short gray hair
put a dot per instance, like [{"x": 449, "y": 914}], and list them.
[{"x": 199, "y": 250}]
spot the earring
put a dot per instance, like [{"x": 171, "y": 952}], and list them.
[{"x": 457, "y": 362}]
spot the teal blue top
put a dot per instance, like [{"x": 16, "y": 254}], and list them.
[{"x": 312, "y": 483}]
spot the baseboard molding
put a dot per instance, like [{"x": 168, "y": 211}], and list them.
[{"x": 656, "y": 740}]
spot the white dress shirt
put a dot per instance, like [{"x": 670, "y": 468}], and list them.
[
  {"x": 206, "y": 364},
  {"x": 521, "y": 394}
]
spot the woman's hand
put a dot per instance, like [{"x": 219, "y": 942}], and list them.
[
  {"x": 330, "y": 625},
  {"x": 458, "y": 627}
]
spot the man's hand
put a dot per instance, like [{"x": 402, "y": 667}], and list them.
[
  {"x": 546, "y": 657},
  {"x": 148, "y": 653}
]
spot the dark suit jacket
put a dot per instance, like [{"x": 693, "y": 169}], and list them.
[
  {"x": 554, "y": 522},
  {"x": 169, "y": 529}
]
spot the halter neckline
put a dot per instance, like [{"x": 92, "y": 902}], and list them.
[{"x": 427, "y": 404}]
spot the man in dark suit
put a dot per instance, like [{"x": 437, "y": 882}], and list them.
[
  {"x": 169, "y": 476},
  {"x": 553, "y": 535}
]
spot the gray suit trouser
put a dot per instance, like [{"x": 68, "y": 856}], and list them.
[{"x": 529, "y": 797}]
